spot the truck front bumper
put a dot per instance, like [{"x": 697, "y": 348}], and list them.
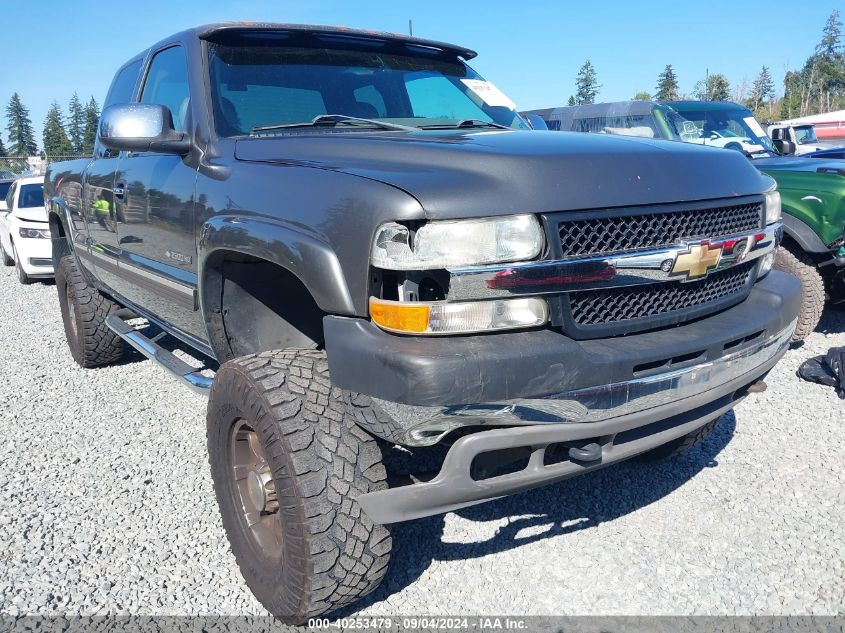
[{"x": 614, "y": 398}]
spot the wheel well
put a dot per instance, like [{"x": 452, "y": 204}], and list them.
[
  {"x": 253, "y": 305},
  {"x": 59, "y": 237}
]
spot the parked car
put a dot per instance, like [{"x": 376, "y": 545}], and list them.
[
  {"x": 813, "y": 194},
  {"x": 5, "y": 185},
  {"x": 367, "y": 237},
  {"x": 803, "y": 137},
  {"x": 645, "y": 119},
  {"x": 835, "y": 153},
  {"x": 24, "y": 231},
  {"x": 5, "y": 174}
]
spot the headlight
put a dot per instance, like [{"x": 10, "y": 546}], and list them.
[
  {"x": 773, "y": 210},
  {"x": 441, "y": 317},
  {"x": 445, "y": 244},
  {"x": 34, "y": 233}
]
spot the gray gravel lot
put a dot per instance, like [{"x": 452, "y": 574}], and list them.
[{"x": 106, "y": 506}]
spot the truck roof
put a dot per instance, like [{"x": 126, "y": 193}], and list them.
[
  {"x": 710, "y": 106},
  {"x": 245, "y": 31},
  {"x": 615, "y": 108}
]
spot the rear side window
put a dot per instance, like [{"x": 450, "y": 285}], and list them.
[
  {"x": 4, "y": 189},
  {"x": 31, "y": 196},
  {"x": 167, "y": 85}
]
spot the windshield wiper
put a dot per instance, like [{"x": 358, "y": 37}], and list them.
[
  {"x": 464, "y": 124},
  {"x": 331, "y": 120}
]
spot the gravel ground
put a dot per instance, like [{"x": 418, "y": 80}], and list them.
[{"x": 106, "y": 506}]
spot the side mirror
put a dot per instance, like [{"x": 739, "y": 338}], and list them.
[
  {"x": 536, "y": 122},
  {"x": 141, "y": 127},
  {"x": 784, "y": 147}
]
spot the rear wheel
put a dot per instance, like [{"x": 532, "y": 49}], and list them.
[
  {"x": 792, "y": 260},
  {"x": 679, "y": 445},
  {"x": 84, "y": 311},
  {"x": 288, "y": 465}
]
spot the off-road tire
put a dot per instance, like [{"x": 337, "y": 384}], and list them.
[
  {"x": 678, "y": 445},
  {"x": 91, "y": 342},
  {"x": 791, "y": 260},
  {"x": 331, "y": 552},
  {"x": 8, "y": 260},
  {"x": 22, "y": 276}
]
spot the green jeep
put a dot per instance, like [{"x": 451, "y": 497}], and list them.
[{"x": 812, "y": 190}]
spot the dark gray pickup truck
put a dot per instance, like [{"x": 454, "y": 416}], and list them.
[{"x": 365, "y": 240}]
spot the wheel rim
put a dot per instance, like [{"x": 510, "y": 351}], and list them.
[
  {"x": 255, "y": 491},
  {"x": 71, "y": 312}
]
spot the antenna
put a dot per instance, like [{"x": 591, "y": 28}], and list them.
[{"x": 411, "y": 28}]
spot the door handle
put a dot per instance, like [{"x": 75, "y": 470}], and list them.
[{"x": 119, "y": 191}]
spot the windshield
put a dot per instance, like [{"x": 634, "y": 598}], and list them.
[
  {"x": 31, "y": 196},
  {"x": 730, "y": 129},
  {"x": 806, "y": 135},
  {"x": 259, "y": 86}
]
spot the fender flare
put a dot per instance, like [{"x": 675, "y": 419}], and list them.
[
  {"x": 308, "y": 258},
  {"x": 803, "y": 235}
]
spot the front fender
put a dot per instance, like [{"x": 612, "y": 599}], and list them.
[{"x": 306, "y": 256}]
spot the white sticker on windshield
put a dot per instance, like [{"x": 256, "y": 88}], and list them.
[
  {"x": 751, "y": 122},
  {"x": 489, "y": 93}
]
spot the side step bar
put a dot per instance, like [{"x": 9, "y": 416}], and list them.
[{"x": 149, "y": 348}]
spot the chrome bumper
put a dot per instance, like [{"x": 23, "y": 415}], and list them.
[{"x": 592, "y": 404}]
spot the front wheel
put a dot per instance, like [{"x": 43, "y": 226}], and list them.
[
  {"x": 8, "y": 260},
  {"x": 22, "y": 276},
  {"x": 794, "y": 261},
  {"x": 288, "y": 465}
]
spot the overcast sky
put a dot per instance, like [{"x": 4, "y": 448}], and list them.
[{"x": 531, "y": 50}]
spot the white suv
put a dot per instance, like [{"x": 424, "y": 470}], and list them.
[{"x": 24, "y": 231}]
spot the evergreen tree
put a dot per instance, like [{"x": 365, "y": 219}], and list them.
[
  {"x": 2, "y": 148},
  {"x": 89, "y": 132},
  {"x": 715, "y": 88},
  {"x": 571, "y": 101},
  {"x": 76, "y": 124},
  {"x": 667, "y": 85},
  {"x": 55, "y": 138},
  {"x": 587, "y": 84},
  {"x": 831, "y": 34},
  {"x": 642, "y": 95},
  {"x": 762, "y": 91},
  {"x": 19, "y": 128}
]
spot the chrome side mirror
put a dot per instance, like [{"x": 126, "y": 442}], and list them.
[{"x": 141, "y": 127}]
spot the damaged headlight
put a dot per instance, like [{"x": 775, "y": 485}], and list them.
[{"x": 456, "y": 243}]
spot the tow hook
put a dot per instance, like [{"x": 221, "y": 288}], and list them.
[{"x": 588, "y": 453}]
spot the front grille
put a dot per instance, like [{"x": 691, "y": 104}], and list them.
[
  {"x": 617, "y": 305},
  {"x": 602, "y": 235}
]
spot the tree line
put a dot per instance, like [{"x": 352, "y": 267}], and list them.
[
  {"x": 818, "y": 86},
  {"x": 63, "y": 135}
]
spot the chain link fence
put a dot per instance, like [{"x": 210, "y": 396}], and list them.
[{"x": 15, "y": 166}]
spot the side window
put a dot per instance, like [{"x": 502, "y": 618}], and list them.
[
  {"x": 123, "y": 87},
  {"x": 122, "y": 90},
  {"x": 10, "y": 196},
  {"x": 167, "y": 85}
]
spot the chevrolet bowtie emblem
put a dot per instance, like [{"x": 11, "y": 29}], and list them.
[{"x": 700, "y": 260}]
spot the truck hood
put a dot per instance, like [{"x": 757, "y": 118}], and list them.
[
  {"x": 475, "y": 173},
  {"x": 793, "y": 163}
]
